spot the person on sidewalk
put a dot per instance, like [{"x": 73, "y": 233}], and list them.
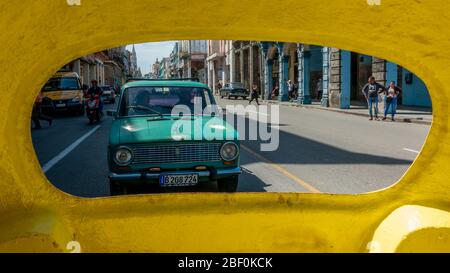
[
  {"x": 255, "y": 94},
  {"x": 37, "y": 114},
  {"x": 218, "y": 87},
  {"x": 392, "y": 92},
  {"x": 319, "y": 89},
  {"x": 275, "y": 92},
  {"x": 295, "y": 95},
  {"x": 290, "y": 87},
  {"x": 371, "y": 91}
]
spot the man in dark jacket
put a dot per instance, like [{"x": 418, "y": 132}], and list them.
[
  {"x": 370, "y": 91},
  {"x": 96, "y": 90},
  {"x": 254, "y": 94}
]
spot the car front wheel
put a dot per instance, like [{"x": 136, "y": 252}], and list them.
[{"x": 228, "y": 184}]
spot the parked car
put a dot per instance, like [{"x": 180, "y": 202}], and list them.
[
  {"x": 143, "y": 147},
  {"x": 234, "y": 90},
  {"x": 108, "y": 94},
  {"x": 63, "y": 93}
]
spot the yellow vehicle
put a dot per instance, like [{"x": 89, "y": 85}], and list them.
[{"x": 64, "y": 93}]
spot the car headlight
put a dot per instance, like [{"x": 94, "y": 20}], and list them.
[
  {"x": 123, "y": 156},
  {"x": 229, "y": 151},
  {"x": 76, "y": 99}
]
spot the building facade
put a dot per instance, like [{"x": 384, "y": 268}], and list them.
[
  {"x": 192, "y": 59},
  {"x": 216, "y": 63},
  {"x": 156, "y": 67},
  {"x": 328, "y": 76},
  {"x": 108, "y": 67}
]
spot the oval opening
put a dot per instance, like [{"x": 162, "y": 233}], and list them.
[{"x": 310, "y": 133}]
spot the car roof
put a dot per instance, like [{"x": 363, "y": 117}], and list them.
[
  {"x": 65, "y": 74},
  {"x": 166, "y": 83}
]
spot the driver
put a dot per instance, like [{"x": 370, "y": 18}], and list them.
[{"x": 142, "y": 98}]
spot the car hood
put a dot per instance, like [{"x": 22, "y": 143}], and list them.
[
  {"x": 155, "y": 129},
  {"x": 62, "y": 95}
]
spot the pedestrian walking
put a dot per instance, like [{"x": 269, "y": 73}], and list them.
[
  {"x": 255, "y": 94},
  {"x": 37, "y": 114},
  {"x": 295, "y": 91},
  {"x": 392, "y": 92},
  {"x": 319, "y": 89},
  {"x": 371, "y": 91},
  {"x": 219, "y": 86},
  {"x": 275, "y": 92},
  {"x": 290, "y": 86}
]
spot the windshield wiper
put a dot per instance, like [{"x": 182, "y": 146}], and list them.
[{"x": 140, "y": 107}]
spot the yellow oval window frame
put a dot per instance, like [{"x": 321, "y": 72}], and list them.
[{"x": 39, "y": 36}]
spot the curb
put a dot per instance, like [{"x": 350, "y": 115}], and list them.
[{"x": 293, "y": 104}]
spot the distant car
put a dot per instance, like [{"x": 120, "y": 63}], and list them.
[
  {"x": 108, "y": 94},
  {"x": 63, "y": 93},
  {"x": 234, "y": 90},
  {"x": 144, "y": 148}
]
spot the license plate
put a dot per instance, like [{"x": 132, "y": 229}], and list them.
[
  {"x": 178, "y": 180},
  {"x": 61, "y": 105}
]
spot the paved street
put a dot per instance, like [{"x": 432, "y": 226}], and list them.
[{"x": 320, "y": 151}]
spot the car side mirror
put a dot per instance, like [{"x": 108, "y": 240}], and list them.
[{"x": 111, "y": 113}]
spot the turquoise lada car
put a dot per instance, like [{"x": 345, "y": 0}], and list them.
[{"x": 159, "y": 136}]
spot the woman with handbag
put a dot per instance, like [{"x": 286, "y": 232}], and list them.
[{"x": 392, "y": 92}]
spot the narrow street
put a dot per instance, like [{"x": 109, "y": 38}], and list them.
[{"x": 320, "y": 151}]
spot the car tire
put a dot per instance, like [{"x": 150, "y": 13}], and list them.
[
  {"x": 115, "y": 188},
  {"x": 244, "y": 98},
  {"x": 229, "y": 184}
]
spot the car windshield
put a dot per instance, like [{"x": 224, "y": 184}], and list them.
[
  {"x": 237, "y": 85},
  {"x": 142, "y": 101},
  {"x": 55, "y": 84}
]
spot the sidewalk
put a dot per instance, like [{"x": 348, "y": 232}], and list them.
[{"x": 419, "y": 115}]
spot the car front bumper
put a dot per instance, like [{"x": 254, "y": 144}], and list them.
[
  {"x": 64, "y": 106},
  {"x": 212, "y": 174}
]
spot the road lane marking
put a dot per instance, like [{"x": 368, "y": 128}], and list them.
[
  {"x": 67, "y": 150},
  {"x": 410, "y": 150},
  {"x": 282, "y": 170}
]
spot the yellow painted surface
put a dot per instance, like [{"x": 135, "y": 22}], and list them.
[
  {"x": 409, "y": 228},
  {"x": 35, "y": 216}
]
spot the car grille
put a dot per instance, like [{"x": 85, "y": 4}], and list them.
[{"x": 175, "y": 153}]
